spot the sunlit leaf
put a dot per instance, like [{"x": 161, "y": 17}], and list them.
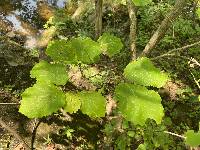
[
  {"x": 143, "y": 72},
  {"x": 41, "y": 100},
  {"x": 93, "y": 104},
  {"x": 192, "y": 139},
  {"x": 110, "y": 44},
  {"x": 50, "y": 73},
  {"x": 137, "y": 103},
  {"x": 73, "y": 102}
]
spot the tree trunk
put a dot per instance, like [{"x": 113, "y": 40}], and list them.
[
  {"x": 98, "y": 22},
  {"x": 133, "y": 27},
  {"x": 162, "y": 29}
]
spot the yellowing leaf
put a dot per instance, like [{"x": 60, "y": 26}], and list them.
[
  {"x": 137, "y": 103},
  {"x": 73, "y": 102},
  {"x": 143, "y": 72}
]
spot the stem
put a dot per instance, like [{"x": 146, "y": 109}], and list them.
[
  {"x": 133, "y": 27},
  {"x": 99, "y": 14},
  {"x": 37, "y": 123},
  {"x": 165, "y": 24}
]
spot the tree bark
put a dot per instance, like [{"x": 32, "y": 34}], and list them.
[
  {"x": 133, "y": 27},
  {"x": 165, "y": 24},
  {"x": 99, "y": 14}
]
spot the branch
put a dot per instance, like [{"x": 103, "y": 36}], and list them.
[
  {"x": 3, "y": 124},
  {"x": 165, "y": 24},
  {"x": 178, "y": 49},
  {"x": 99, "y": 14},
  {"x": 174, "y": 134},
  {"x": 133, "y": 27}
]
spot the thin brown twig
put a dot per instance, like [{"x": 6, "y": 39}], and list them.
[
  {"x": 177, "y": 49},
  {"x": 15, "y": 134}
]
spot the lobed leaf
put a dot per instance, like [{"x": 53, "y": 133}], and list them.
[
  {"x": 73, "y": 102},
  {"x": 41, "y": 100},
  {"x": 143, "y": 72},
  {"x": 110, "y": 44},
  {"x": 50, "y": 73},
  {"x": 137, "y": 103},
  {"x": 192, "y": 139}
]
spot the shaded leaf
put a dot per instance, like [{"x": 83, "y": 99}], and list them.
[
  {"x": 143, "y": 72},
  {"x": 198, "y": 12},
  {"x": 41, "y": 100},
  {"x": 87, "y": 50},
  {"x": 137, "y": 103},
  {"x": 61, "y": 51},
  {"x": 50, "y": 73},
  {"x": 110, "y": 44}
]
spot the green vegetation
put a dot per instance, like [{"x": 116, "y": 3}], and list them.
[{"x": 135, "y": 87}]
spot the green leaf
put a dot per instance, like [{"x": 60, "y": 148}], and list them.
[
  {"x": 110, "y": 44},
  {"x": 61, "y": 51},
  {"x": 50, "y": 73},
  {"x": 41, "y": 100},
  {"x": 78, "y": 49},
  {"x": 192, "y": 139},
  {"x": 73, "y": 102},
  {"x": 142, "y": 147},
  {"x": 93, "y": 104},
  {"x": 141, "y": 2},
  {"x": 198, "y": 12},
  {"x": 87, "y": 50},
  {"x": 137, "y": 103},
  {"x": 143, "y": 72}
]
